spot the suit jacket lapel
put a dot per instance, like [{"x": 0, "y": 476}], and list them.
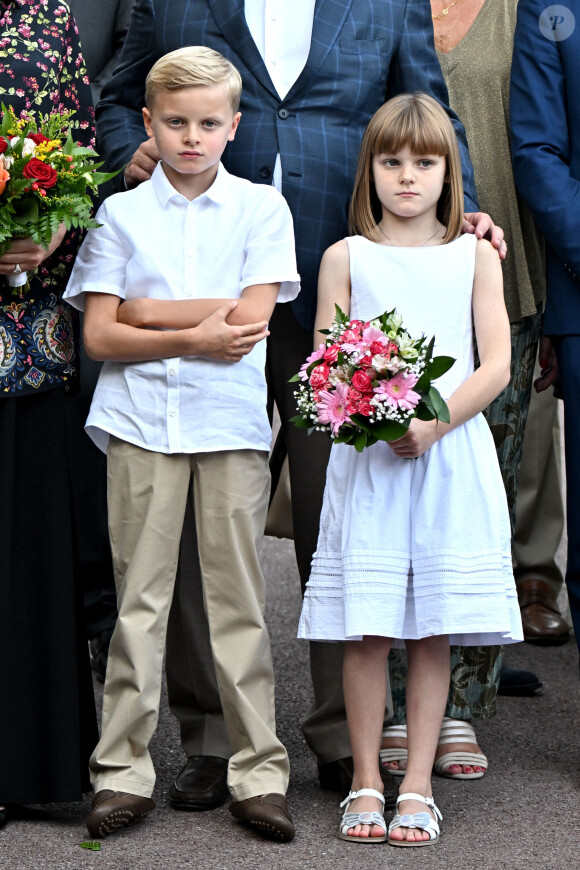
[
  {"x": 230, "y": 18},
  {"x": 329, "y": 17}
]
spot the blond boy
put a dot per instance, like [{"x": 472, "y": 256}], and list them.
[{"x": 178, "y": 285}]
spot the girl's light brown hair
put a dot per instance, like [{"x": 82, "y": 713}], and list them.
[{"x": 421, "y": 123}]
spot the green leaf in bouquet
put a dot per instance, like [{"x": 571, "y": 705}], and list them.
[
  {"x": 26, "y": 210},
  {"x": 438, "y": 366},
  {"x": 360, "y": 441},
  {"x": 69, "y": 145},
  {"x": 429, "y": 352},
  {"x": 389, "y": 430},
  {"x": 423, "y": 384},
  {"x": 424, "y": 410},
  {"x": 339, "y": 316},
  {"x": 439, "y": 405},
  {"x": 347, "y": 437},
  {"x": 294, "y": 379},
  {"x": 362, "y": 422},
  {"x": 301, "y": 422}
]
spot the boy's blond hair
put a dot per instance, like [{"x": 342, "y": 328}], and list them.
[
  {"x": 193, "y": 66},
  {"x": 420, "y": 122}
]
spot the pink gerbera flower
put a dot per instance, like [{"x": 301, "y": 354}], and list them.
[
  {"x": 315, "y": 355},
  {"x": 398, "y": 391},
  {"x": 332, "y": 407}
]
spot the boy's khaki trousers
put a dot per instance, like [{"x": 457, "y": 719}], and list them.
[{"x": 147, "y": 494}]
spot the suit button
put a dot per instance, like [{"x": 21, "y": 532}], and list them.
[
  {"x": 283, "y": 114},
  {"x": 265, "y": 172}
]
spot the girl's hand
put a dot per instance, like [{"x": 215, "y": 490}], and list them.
[
  {"x": 420, "y": 436},
  {"x": 28, "y": 255}
]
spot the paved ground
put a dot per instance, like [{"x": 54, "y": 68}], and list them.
[{"x": 523, "y": 815}]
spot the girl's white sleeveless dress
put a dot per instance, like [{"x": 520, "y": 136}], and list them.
[{"x": 413, "y": 548}]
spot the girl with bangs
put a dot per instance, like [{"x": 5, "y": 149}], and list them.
[{"x": 413, "y": 553}]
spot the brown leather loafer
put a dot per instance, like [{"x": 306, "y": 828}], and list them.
[
  {"x": 268, "y": 813},
  {"x": 202, "y": 784},
  {"x": 113, "y": 810},
  {"x": 542, "y": 621}
]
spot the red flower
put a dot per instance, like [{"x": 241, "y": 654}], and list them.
[
  {"x": 366, "y": 361},
  {"x": 377, "y": 347},
  {"x": 37, "y": 138},
  {"x": 319, "y": 376},
  {"x": 361, "y": 381},
  {"x": 366, "y": 409},
  {"x": 3, "y": 144},
  {"x": 41, "y": 172},
  {"x": 331, "y": 353}
]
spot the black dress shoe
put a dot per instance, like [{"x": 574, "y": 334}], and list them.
[
  {"x": 201, "y": 784},
  {"x": 513, "y": 681},
  {"x": 337, "y": 776}
]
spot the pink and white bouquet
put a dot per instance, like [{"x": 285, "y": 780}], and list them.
[{"x": 369, "y": 380}]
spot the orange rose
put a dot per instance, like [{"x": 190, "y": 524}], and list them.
[{"x": 4, "y": 178}]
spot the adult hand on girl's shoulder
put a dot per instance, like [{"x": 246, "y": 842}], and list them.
[
  {"x": 481, "y": 224},
  {"x": 420, "y": 436}
]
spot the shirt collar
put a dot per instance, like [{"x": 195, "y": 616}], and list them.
[{"x": 166, "y": 192}]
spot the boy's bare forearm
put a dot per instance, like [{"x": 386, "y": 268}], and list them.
[
  {"x": 255, "y": 306},
  {"x": 107, "y": 339}
]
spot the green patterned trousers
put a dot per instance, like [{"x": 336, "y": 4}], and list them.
[{"x": 475, "y": 670}]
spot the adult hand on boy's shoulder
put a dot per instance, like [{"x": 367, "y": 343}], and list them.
[
  {"x": 142, "y": 163},
  {"x": 218, "y": 340}
]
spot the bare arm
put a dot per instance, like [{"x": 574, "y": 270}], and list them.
[
  {"x": 492, "y": 331},
  {"x": 481, "y": 224},
  {"x": 255, "y": 307},
  {"x": 333, "y": 288},
  {"x": 107, "y": 339}
]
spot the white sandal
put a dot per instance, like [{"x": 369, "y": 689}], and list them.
[
  {"x": 458, "y": 731},
  {"x": 398, "y": 753},
  {"x": 421, "y": 821},
  {"x": 349, "y": 820}
]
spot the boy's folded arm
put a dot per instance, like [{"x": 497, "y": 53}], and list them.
[
  {"x": 255, "y": 307},
  {"x": 107, "y": 339}
]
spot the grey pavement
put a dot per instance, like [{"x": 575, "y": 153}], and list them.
[{"x": 524, "y": 814}]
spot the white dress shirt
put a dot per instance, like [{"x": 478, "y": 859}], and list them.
[
  {"x": 154, "y": 242},
  {"x": 282, "y": 32}
]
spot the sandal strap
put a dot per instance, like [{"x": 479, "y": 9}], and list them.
[
  {"x": 422, "y": 821},
  {"x": 399, "y": 731},
  {"x": 394, "y": 754},
  {"x": 428, "y": 801},
  {"x": 350, "y": 820},
  {"x": 362, "y": 792},
  {"x": 473, "y": 759},
  {"x": 456, "y": 731}
]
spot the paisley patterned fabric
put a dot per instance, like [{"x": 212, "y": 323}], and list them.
[{"x": 42, "y": 70}]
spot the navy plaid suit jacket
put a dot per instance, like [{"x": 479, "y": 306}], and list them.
[{"x": 362, "y": 52}]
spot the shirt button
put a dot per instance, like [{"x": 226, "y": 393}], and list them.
[
  {"x": 172, "y": 413},
  {"x": 265, "y": 172},
  {"x": 189, "y": 294},
  {"x": 171, "y": 372},
  {"x": 283, "y": 114}
]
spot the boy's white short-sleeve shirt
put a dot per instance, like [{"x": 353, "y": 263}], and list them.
[{"x": 154, "y": 242}]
